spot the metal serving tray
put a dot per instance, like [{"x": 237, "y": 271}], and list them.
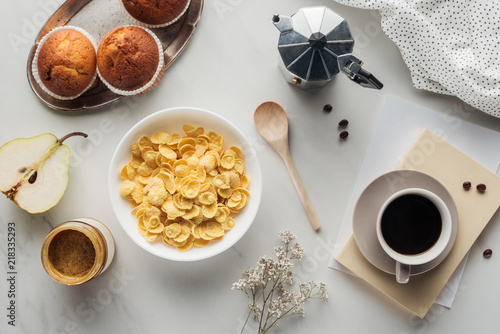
[{"x": 98, "y": 17}]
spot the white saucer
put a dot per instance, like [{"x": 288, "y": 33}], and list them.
[{"x": 371, "y": 200}]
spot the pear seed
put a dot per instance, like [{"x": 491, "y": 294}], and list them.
[{"x": 32, "y": 178}]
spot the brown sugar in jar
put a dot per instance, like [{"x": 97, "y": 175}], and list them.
[{"x": 75, "y": 252}]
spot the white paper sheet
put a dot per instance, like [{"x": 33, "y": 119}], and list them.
[{"x": 398, "y": 126}]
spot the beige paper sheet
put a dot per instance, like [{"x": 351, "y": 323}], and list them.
[{"x": 432, "y": 155}]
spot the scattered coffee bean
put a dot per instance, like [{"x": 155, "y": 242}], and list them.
[
  {"x": 344, "y": 134},
  {"x": 487, "y": 253},
  {"x": 343, "y": 123},
  {"x": 481, "y": 187},
  {"x": 327, "y": 108},
  {"x": 467, "y": 185}
]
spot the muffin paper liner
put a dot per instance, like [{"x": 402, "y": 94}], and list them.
[
  {"x": 147, "y": 25},
  {"x": 34, "y": 64},
  {"x": 151, "y": 83}
]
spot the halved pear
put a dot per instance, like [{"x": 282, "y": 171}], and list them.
[{"x": 34, "y": 171}]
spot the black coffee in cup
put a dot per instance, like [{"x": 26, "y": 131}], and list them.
[{"x": 411, "y": 224}]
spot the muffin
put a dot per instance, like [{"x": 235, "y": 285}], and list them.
[
  {"x": 155, "y": 14},
  {"x": 130, "y": 60},
  {"x": 65, "y": 63}
]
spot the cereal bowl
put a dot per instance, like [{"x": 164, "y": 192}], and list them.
[{"x": 172, "y": 120}]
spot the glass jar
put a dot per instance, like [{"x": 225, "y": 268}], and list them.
[{"x": 76, "y": 251}]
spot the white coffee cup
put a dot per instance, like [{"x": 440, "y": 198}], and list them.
[{"x": 405, "y": 260}]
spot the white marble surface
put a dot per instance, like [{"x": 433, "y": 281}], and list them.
[{"x": 229, "y": 67}]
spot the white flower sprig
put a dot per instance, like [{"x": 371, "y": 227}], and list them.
[{"x": 267, "y": 286}]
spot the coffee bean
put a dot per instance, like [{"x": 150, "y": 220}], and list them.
[
  {"x": 327, "y": 108},
  {"x": 481, "y": 187},
  {"x": 487, "y": 253},
  {"x": 343, "y": 123},
  {"x": 467, "y": 185},
  {"x": 344, "y": 134}
]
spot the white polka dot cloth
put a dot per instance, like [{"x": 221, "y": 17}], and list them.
[{"x": 450, "y": 46}]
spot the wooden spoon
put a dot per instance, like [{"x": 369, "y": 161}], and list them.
[{"x": 272, "y": 123}]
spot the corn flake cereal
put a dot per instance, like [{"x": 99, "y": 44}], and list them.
[
  {"x": 185, "y": 190},
  {"x": 161, "y": 137}
]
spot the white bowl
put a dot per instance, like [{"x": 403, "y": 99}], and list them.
[{"x": 172, "y": 120}]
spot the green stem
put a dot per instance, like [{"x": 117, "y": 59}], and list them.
[
  {"x": 249, "y": 312},
  {"x": 246, "y": 321},
  {"x": 264, "y": 300},
  {"x": 284, "y": 315},
  {"x": 276, "y": 283},
  {"x": 268, "y": 316}
]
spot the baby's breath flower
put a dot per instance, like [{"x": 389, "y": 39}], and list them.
[
  {"x": 323, "y": 292},
  {"x": 286, "y": 237},
  {"x": 267, "y": 286},
  {"x": 297, "y": 252},
  {"x": 280, "y": 253}
]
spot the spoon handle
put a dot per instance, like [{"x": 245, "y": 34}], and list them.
[{"x": 301, "y": 190}]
